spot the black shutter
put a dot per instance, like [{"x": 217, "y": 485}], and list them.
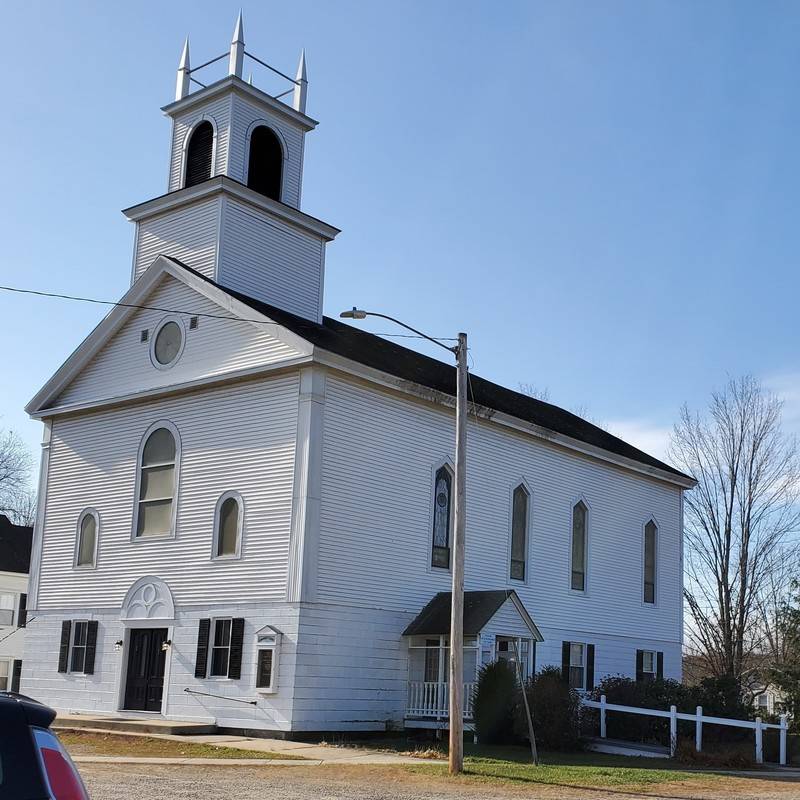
[
  {"x": 660, "y": 666},
  {"x": 565, "y": 662},
  {"x": 201, "y": 662},
  {"x": 589, "y": 667},
  {"x": 22, "y": 619},
  {"x": 533, "y": 658},
  {"x": 639, "y": 666},
  {"x": 91, "y": 647},
  {"x": 63, "y": 653},
  {"x": 237, "y": 640},
  {"x": 15, "y": 675}
]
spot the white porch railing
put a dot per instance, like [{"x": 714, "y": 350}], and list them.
[
  {"x": 673, "y": 715},
  {"x": 432, "y": 699}
]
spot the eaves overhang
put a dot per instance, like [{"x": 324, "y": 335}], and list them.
[
  {"x": 231, "y": 82},
  {"x": 223, "y": 185}
]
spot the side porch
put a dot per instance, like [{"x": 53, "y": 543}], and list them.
[{"x": 496, "y": 626}]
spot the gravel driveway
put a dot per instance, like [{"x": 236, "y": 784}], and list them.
[{"x": 148, "y": 782}]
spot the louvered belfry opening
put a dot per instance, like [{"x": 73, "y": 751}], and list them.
[
  {"x": 198, "y": 154},
  {"x": 265, "y": 165}
]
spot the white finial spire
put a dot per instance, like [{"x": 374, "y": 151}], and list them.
[
  {"x": 301, "y": 85},
  {"x": 182, "y": 82},
  {"x": 236, "y": 60},
  {"x": 250, "y": 78}
]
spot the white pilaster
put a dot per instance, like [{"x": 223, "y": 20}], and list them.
[
  {"x": 38, "y": 525},
  {"x": 307, "y": 493}
]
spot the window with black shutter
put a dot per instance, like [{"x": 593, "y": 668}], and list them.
[
  {"x": 201, "y": 659},
  {"x": 237, "y": 642},
  {"x": 91, "y": 647},
  {"x": 16, "y": 675},
  {"x": 63, "y": 651},
  {"x": 646, "y": 665},
  {"x": 22, "y": 615},
  {"x": 198, "y": 154},
  {"x": 265, "y": 163}
]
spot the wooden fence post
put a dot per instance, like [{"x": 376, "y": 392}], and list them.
[
  {"x": 602, "y": 716},
  {"x": 759, "y": 742},
  {"x": 673, "y": 730},
  {"x": 784, "y": 726},
  {"x": 698, "y": 730}
]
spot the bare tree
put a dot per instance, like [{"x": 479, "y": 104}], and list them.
[
  {"x": 25, "y": 511},
  {"x": 543, "y": 393},
  {"x": 737, "y": 521},
  {"x": 15, "y": 468}
]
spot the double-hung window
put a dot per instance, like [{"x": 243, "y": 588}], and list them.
[
  {"x": 432, "y": 651},
  {"x": 220, "y": 648},
  {"x": 577, "y": 665},
  {"x": 157, "y": 485},
  {"x": 5, "y": 675},
  {"x": 7, "y": 604},
  {"x": 648, "y": 665},
  {"x": 77, "y": 655}
]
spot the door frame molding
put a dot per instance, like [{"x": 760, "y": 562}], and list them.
[{"x": 122, "y": 669}]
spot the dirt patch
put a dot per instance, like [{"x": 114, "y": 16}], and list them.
[{"x": 80, "y": 743}]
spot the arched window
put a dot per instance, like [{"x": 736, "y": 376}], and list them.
[
  {"x": 578, "y": 558},
  {"x": 157, "y": 484},
  {"x": 519, "y": 532},
  {"x": 228, "y": 526},
  {"x": 442, "y": 498},
  {"x": 265, "y": 163},
  {"x": 86, "y": 547},
  {"x": 650, "y": 542},
  {"x": 198, "y": 154}
]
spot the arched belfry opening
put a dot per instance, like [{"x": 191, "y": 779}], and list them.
[
  {"x": 265, "y": 163},
  {"x": 198, "y": 154}
]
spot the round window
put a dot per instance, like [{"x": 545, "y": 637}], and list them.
[{"x": 168, "y": 343}]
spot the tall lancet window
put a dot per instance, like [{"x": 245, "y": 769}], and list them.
[
  {"x": 198, "y": 154},
  {"x": 443, "y": 484},
  {"x": 519, "y": 532},
  {"x": 265, "y": 163}
]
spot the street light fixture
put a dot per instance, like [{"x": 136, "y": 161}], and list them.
[{"x": 456, "y": 757}]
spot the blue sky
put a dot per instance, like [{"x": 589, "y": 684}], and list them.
[{"x": 603, "y": 195}]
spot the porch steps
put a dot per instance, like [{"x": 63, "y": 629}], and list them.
[
  {"x": 622, "y": 748},
  {"x": 134, "y": 724}
]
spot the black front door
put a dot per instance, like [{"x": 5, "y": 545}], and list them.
[{"x": 146, "y": 659}]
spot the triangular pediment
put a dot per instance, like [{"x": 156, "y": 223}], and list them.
[{"x": 220, "y": 336}]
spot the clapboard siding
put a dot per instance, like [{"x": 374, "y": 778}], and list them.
[
  {"x": 270, "y": 260},
  {"x": 239, "y": 437},
  {"x": 215, "y": 347},
  {"x": 244, "y": 115},
  {"x": 99, "y": 693},
  {"x": 218, "y": 112},
  {"x": 379, "y": 455},
  {"x": 189, "y": 234}
]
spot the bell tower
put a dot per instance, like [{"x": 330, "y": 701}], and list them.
[{"x": 232, "y": 208}]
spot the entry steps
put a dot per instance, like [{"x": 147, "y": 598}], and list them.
[
  {"x": 620, "y": 747},
  {"x": 134, "y": 724}
]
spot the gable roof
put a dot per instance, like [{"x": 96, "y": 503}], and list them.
[
  {"x": 15, "y": 546},
  {"x": 479, "y": 608},
  {"x": 378, "y": 353}
]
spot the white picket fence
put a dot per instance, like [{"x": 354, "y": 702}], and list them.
[{"x": 699, "y": 719}]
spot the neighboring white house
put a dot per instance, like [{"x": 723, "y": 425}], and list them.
[
  {"x": 15, "y": 559},
  {"x": 245, "y": 506}
]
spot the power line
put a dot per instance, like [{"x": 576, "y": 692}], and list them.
[{"x": 114, "y": 303}]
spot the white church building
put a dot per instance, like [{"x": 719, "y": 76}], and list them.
[{"x": 245, "y": 507}]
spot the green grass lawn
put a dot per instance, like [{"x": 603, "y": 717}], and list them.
[{"x": 513, "y": 764}]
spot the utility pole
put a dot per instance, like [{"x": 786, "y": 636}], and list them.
[
  {"x": 456, "y": 706},
  {"x": 456, "y": 759}
]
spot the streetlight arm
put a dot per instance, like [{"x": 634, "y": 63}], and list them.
[{"x": 349, "y": 314}]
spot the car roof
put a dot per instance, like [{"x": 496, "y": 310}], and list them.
[{"x": 35, "y": 713}]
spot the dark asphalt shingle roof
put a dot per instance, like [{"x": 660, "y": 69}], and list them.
[
  {"x": 373, "y": 351},
  {"x": 479, "y": 608},
  {"x": 15, "y": 546}
]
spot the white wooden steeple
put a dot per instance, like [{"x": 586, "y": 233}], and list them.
[{"x": 232, "y": 210}]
